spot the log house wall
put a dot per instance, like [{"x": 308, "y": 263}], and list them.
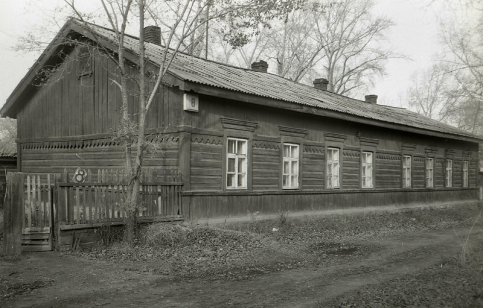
[{"x": 69, "y": 123}]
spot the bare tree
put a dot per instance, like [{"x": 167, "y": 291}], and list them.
[
  {"x": 294, "y": 46},
  {"x": 8, "y": 134},
  {"x": 430, "y": 93},
  {"x": 457, "y": 85},
  {"x": 465, "y": 59},
  {"x": 352, "y": 43}
]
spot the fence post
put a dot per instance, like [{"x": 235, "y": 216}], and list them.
[{"x": 13, "y": 214}]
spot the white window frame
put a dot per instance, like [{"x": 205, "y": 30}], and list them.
[
  {"x": 290, "y": 175},
  {"x": 429, "y": 172},
  {"x": 465, "y": 173},
  {"x": 406, "y": 165},
  {"x": 367, "y": 170},
  {"x": 238, "y": 158},
  {"x": 449, "y": 173},
  {"x": 333, "y": 168}
]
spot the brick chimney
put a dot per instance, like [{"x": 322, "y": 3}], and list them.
[
  {"x": 371, "y": 99},
  {"x": 260, "y": 66},
  {"x": 321, "y": 84},
  {"x": 152, "y": 34}
]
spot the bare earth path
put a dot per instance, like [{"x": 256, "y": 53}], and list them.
[{"x": 58, "y": 280}]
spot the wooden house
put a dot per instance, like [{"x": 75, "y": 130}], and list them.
[{"x": 242, "y": 139}]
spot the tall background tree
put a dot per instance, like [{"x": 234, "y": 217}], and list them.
[
  {"x": 343, "y": 41},
  {"x": 458, "y": 70}
]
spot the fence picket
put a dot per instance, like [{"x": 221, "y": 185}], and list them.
[
  {"x": 49, "y": 200},
  {"x": 28, "y": 207},
  {"x": 103, "y": 196}
]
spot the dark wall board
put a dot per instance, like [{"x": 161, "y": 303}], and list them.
[
  {"x": 203, "y": 205},
  {"x": 83, "y": 97}
]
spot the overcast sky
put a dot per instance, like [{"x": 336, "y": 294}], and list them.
[{"x": 415, "y": 34}]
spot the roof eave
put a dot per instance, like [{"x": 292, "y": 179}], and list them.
[{"x": 270, "y": 102}]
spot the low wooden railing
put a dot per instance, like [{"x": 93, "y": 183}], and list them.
[{"x": 102, "y": 198}]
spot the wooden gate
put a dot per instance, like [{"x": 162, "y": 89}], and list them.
[
  {"x": 29, "y": 212},
  {"x": 37, "y": 230}
]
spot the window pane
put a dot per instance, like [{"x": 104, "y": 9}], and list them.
[
  {"x": 230, "y": 180},
  {"x": 242, "y": 147},
  {"x": 241, "y": 180},
  {"x": 336, "y": 154},
  {"x": 295, "y": 152},
  {"x": 242, "y": 165},
  {"x": 231, "y": 164},
  {"x": 286, "y": 165},
  {"x": 285, "y": 180},
  {"x": 294, "y": 181},
  {"x": 369, "y": 158},
  {"x": 231, "y": 146},
  {"x": 286, "y": 151},
  {"x": 295, "y": 167},
  {"x": 329, "y": 155}
]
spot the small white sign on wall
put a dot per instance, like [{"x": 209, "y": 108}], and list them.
[{"x": 190, "y": 102}]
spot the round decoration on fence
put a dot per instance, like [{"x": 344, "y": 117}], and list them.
[{"x": 80, "y": 175}]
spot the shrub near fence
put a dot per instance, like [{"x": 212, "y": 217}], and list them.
[{"x": 101, "y": 197}]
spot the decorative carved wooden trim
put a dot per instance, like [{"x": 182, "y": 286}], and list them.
[
  {"x": 89, "y": 143},
  {"x": 384, "y": 156},
  {"x": 292, "y": 131},
  {"x": 419, "y": 159},
  {"x": 215, "y": 140},
  {"x": 408, "y": 147},
  {"x": 466, "y": 154},
  {"x": 266, "y": 145},
  {"x": 335, "y": 137},
  {"x": 314, "y": 149},
  {"x": 351, "y": 153},
  {"x": 368, "y": 142},
  {"x": 238, "y": 124}
]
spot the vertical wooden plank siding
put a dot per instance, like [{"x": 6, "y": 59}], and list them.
[{"x": 14, "y": 215}]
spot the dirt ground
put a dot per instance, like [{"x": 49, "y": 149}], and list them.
[{"x": 52, "y": 279}]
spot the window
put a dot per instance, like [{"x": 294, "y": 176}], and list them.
[
  {"x": 449, "y": 173},
  {"x": 333, "y": 168},
  {"x": 406, "y": 171},
  {"x": 465, "y": 174},
  {"x": 290, "y": 166},
  {"x": 366, "y": 170},
  {"x": 236, "y": 163},
  {"x": 429, "y": 172}
]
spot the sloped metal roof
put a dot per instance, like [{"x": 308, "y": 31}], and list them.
[{"x": 214, "y": 74}]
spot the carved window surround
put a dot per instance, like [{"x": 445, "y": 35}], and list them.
[
  {"x": 333, "y": 137},
  {"x": 368, "y": 145},
  {"x": 229, "y": 123},
  {"x": 466, "y": 155},
  {"x": 431, "y": 151},
  {"x": 408, "y": 148},
  {"x": 449, "y": 153},
  {"x": 292, "y": 131}
]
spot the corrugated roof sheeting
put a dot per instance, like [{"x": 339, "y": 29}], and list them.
[{"x": 247, "y": 81}]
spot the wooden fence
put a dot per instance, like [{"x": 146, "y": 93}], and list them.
[
  {"x": 102, "y": 198},
  {"x": 40, "y": 207}
]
